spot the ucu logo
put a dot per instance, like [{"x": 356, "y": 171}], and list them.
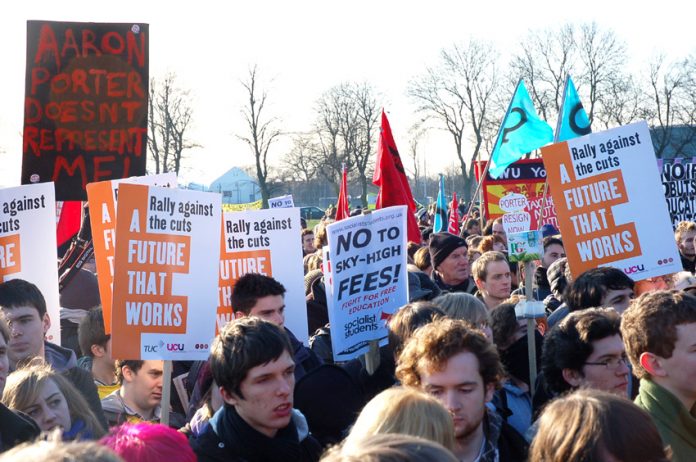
[
  {"x": 175, "y": 346},
  {"x": 634, "y": 269}
]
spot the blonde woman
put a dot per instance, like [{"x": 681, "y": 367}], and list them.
[
  {"x": 404, "y": 411},
  {"x": 52, "y": 401}
]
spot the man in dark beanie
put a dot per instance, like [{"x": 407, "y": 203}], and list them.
[{"x": 451, "y": 272}]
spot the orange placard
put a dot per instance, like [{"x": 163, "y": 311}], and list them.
[
  {"x": 146, "y": 303},
  {"x": 591, "y": 236},
  {"x": 10, "y": 255},
  {"x": 103, "y": 220},
  {"x": 233, "y": 265}
]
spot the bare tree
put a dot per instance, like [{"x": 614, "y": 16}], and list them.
[
  {"x": 544, "y": 60},
  {"x": 301, "y": 158},
  {"x": 623, "y": 102},
  {"x": 332, "y": 154},
  {"x": 672, "y": 109},
  {"x": 603, "y": 55},
  {"x": 365, "y": 100},
  {"x": 169, "y": 119},
  {"x": 459, "y": 93},
  {"x": 261, "y": 130},
  {"x": 416, "y": 134},
  {"x": 346, "y": 128}
]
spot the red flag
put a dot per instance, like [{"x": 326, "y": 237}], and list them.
[
  {"x": 69, "y": 222},
  {"x": 342, "y": 205},
  {"x": 391, "y": 179},
  {"x": 453, "y": 226}
]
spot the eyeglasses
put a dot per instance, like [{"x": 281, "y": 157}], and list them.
[{"x": 611, "y": 364}]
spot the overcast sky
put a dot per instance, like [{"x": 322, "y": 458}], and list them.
[{"x": 306, "y": 47}]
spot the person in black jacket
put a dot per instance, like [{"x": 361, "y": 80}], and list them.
[
  {"x": 251, "y": 361},
  {"x": 460, "y": 367}
]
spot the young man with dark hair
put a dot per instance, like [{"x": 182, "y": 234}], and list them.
[
  {"x": 251, "y": 361},
  {"x": 461, "y": 368},
  {"x": 493, "y": 278},
  {"x": 603, "y": 287},
  {"x": 139, "y": 396},
  {"x": 262, "y": 296},
  {"x": 96, "y": 346},
  {"x": 15, "y": 427},
  {"x": 586, "y": 350},
  {"x": 659, "y": 330},
  {"x": 24, "y": 308},
  {"x": 684, "y": 234}
]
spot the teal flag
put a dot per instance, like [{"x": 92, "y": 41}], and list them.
[
  {"x": 572, "y": 119},
  {"x": 522, "y": 131},
  {"x": 440, "y": 225}
]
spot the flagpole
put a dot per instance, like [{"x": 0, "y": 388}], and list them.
[
  {"x": 560, "y": 112},
  {"x": 555, "y": 140},
  {"x": 488, "y": 164}
]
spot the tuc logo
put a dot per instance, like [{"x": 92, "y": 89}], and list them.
[
  {"x": 153, "y": 348},
  {"x": 634, "y": 269}
]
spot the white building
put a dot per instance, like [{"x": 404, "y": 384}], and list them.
[{"x": 236, "y": 187}]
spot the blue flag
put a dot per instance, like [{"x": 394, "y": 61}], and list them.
[
  {"x": 440, "y": 225},
  {"x": 572, "y": 119},
  {"x": 522, "y": 131}
]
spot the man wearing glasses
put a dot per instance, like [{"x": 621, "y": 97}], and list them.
[{"x": 586, "y": 350}]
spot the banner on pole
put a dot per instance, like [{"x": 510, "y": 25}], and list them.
[
  {"x": 526, "y": 178},
  {"x": 165, "y": 273},
  {"x": 85, "y": 105},
  {"x": 369, "y": 281},
  {"x": 613, "y": 211},
  {"x": 265, "y": 242},
  {"x": 102, "y": 203},
  {"x": 28, "y": 244}
]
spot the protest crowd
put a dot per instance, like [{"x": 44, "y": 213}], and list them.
[
  {"x": 556, "y": 323},
  {"x": 453, "y": 380}
]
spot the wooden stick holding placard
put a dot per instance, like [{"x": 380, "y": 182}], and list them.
[
  {"x": 166, "y": 392},
  {"x": 531, "y": 325},
  {"x": 372, "y": 359}
]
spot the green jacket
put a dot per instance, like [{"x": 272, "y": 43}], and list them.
[{"x": 676, "y": 425}]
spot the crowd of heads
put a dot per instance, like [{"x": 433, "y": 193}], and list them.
[{"x": 462, "y": 375}]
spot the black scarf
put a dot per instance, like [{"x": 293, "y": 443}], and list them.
[
  {"x": 253, "y": 446},
  {"x": 515, "y": 358}
]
